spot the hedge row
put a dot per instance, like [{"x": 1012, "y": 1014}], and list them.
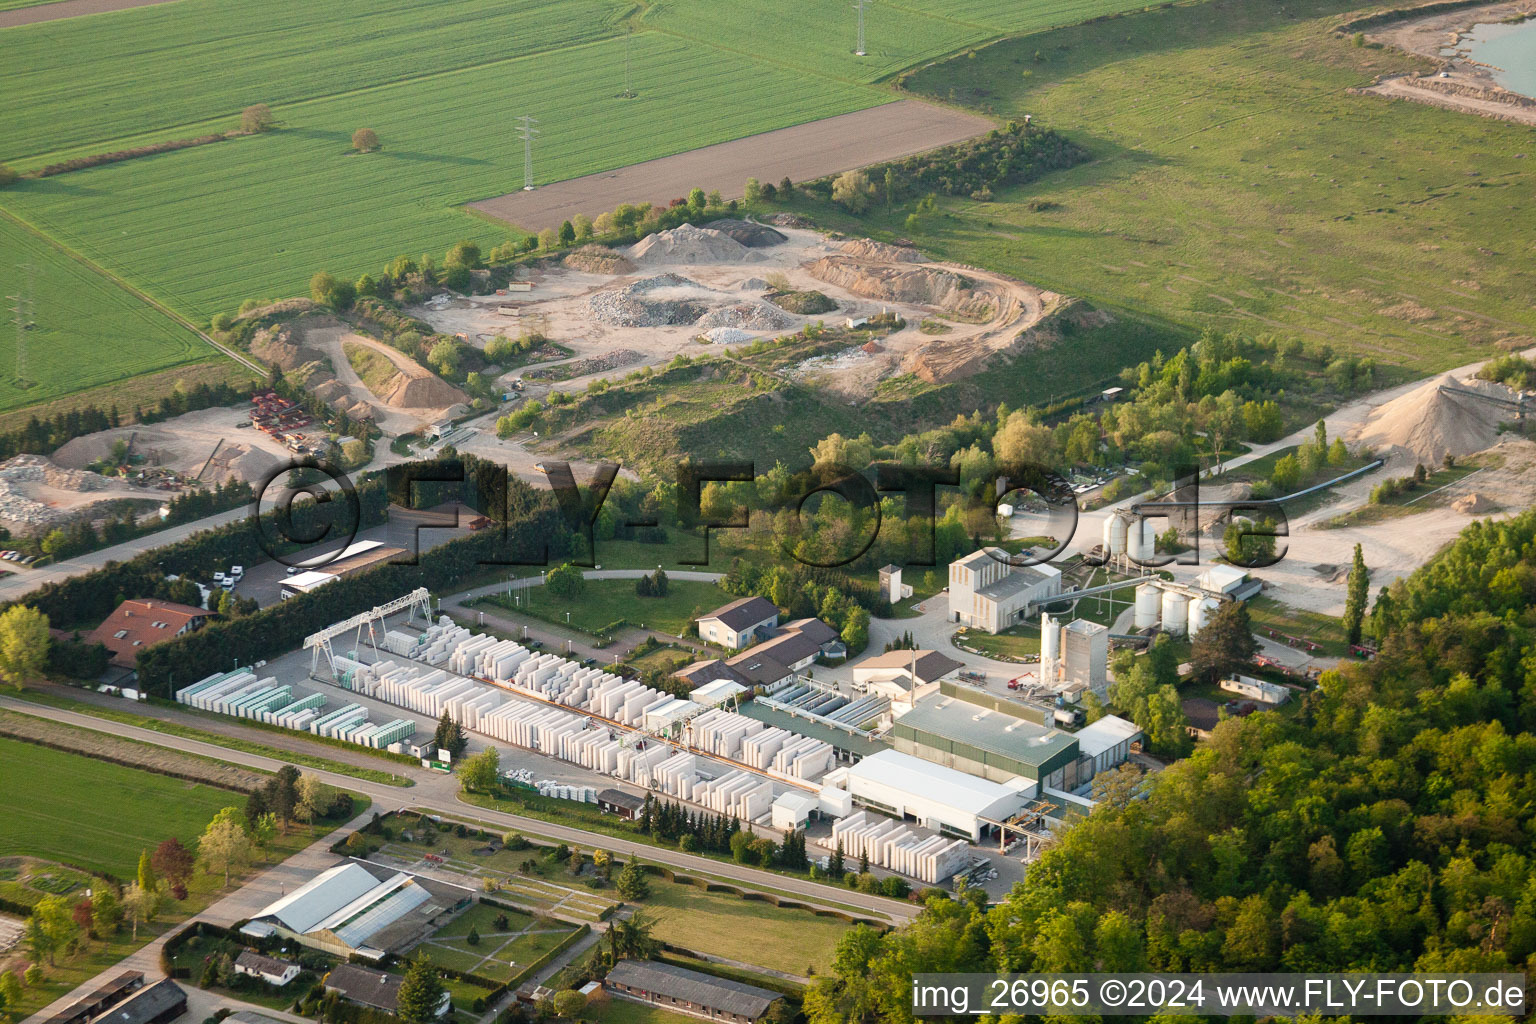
[
  {"x": 117, "y": 156},
  {"x": 758, "y": 897}
]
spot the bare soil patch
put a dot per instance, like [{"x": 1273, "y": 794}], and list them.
[
  {"x": 68, "y": 9},
  {"x": 806, "y": 151}
]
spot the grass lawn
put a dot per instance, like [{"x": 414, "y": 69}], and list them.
[
  {"x": 101, "y": 816},
  {"x": 747, "y": 931},
  {"x": 605, "y": 602},
  {"x": 1302, "y": 211},
  {"x": 89, "y": 332},
  {"x": 1018, "y": 643},
  {"x": 1266, "y": 613},
  {"x": 57, "y": 810},
  {"x": 626, "y": 1011}
]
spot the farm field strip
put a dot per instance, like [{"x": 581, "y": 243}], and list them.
[
  {"x": 820, "y": 37},
  {"x": 56, "y": 809},
  {"x": 100, "y": 78},
  {"x": 89, "y": 331},
  {"x": 201, "y": 229}
]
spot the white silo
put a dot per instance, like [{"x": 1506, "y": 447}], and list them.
[
  {"x": 1201, "y": 612},
  {"x": 1116, "y": 529},
  {"x": 1050, "y": 638},
  {"x": 1149, "y": 598},
  {"x": 1141, "y": 540},
  {"x": 1175, "y": 612}
]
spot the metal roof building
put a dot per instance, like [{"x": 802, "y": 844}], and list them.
[
  {"x": 936, "y": 797},
  {"x": 984, "y": 741},
  {"x": 350, "y": 909},
  {"x": 689, "y": 991}
]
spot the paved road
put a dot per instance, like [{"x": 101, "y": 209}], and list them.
[{"x": 438, "y": 793}]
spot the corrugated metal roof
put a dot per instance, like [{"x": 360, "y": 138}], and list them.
[
  {"x": 319, "y": 898},
  {"x": 692, "y": 987}
]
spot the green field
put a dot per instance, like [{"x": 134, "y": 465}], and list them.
[
  {"x": 626, "y": 1011},
  {"x": 1239, "y": 185},
  {"x": 57, "y": 808},
  {"x": 88, "y": 332},
  {"x": 820, "y": 37},
  {"x": 748, "y": 931},
  {"x": 604, "y": 602},
  {"x": 202, "y": 229}
]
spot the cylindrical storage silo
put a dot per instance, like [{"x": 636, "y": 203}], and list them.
[
  {"x": 1050, "y": 638},
  {"x": 1175, "y": 611},
  {"x": 1149, "y": 597},
  {"x": 1201, "y": 612},
  {"x": 1115, "y": 530},
  {"x": 1141, "y": 540}
]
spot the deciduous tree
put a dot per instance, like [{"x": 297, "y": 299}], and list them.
[{"x": 24, "y": 641}]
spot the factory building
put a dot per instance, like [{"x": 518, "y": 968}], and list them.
[
  {"x": 988, "y": 742},
  {"x": 988, "y": 594},
  {"x": 1077, "y": 652},
  {"x": 356, "y": 558},
  {"x": 738, "y": 624},
  {"x": 938, "y": 798}
]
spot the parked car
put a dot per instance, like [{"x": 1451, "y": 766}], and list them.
[
  {"x": 292, "y": 569},
  {"x": 237, "y": 572},
  {"x": 218, "y": 578}
]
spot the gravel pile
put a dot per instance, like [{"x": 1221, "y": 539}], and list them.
[
  {"x": 636, "y": 305},
  {"x": 688, "y": 244},
  {"x": 752, "y": 316},
  {"x": 728, "y": 336}
]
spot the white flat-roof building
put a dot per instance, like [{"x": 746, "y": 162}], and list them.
[
  {"x": 1257, "y": 689},
  {"x": 793, "y": 809},
  {"x": 938, "y": 798},
  {"x": 1106, "y": 743},
  {"x": 721, "y": 691},
  {"x": 987, "y": 593}
]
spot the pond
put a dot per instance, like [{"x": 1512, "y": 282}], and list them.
[{"x": 1509, "y": 48}]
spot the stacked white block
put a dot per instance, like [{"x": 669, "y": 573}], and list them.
[
  {"x": 758, "y": 749},
  {"x": 898, "y": 847},
  {"x": 397, "y": 642},
  {"x": 340, "y": 721},
  {"x": 638, "y": 764},
  {"x": 737, "y": 794},
  {"x": 721, "y": 733},
  {"x": 563, "y": 791},
  {"x": 803, "y": 758},
  {"x": 676, "y": 776}
]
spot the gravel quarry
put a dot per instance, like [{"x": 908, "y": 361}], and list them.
[{"x": 697, "y": 286}]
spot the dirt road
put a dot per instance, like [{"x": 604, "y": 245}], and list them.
[
  {"x": 68, "y": 9},
  {"x": 806, "y": 151}
]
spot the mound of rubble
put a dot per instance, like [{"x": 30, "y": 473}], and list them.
[
  {"x": 727, "y": 336},
  {"x": 752, "y": 316},
  {"x": 619, "y": 357},
  {"x": 753, "y": 236},
  {"x": 238, "y": 462},
  {"x": 26, "y": 514},
  {"x": 1443, "y": 417},
  {"x": 423, "y": 390},
  {"x": 688, "y": 244},
  {"x": 666, "y": 299}
]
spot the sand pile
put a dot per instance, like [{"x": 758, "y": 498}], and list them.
[
  {"x": 598, "y": 259},
  {"x": 688, "y": 244},
  {"x": 753, "y": 236},
  {"x": 1473, "y": 504},
  {"x": 419, "y": 388},
  {"x": 238, "y": 462},
  {"x": 869, "y": 249},
  {"x": 1431, "y": 423},
  {"x": 283, "y": 346}
]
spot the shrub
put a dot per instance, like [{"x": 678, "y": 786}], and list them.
[
  {"x": 365, "y": 140},
  {"x": 256, "y": 118}
]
